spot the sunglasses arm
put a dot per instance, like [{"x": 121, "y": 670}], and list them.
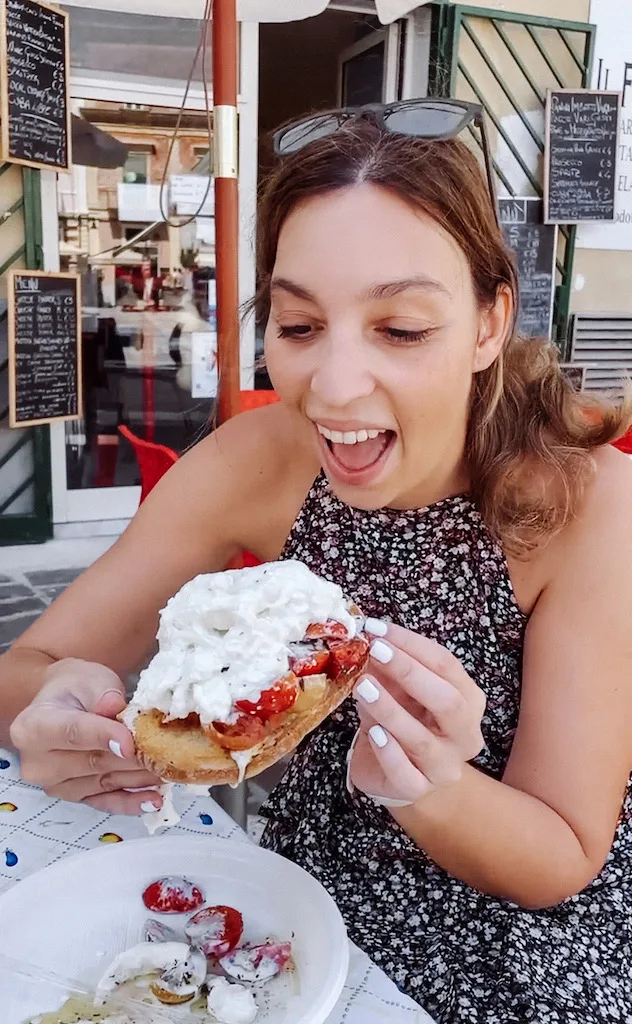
[{"x": 489, "y": 165}]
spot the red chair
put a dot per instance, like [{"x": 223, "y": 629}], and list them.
[
  {"x": 153, "y": 460},
  {"x": 257, "y": 399},
  {"x": 624, "y": 444}
]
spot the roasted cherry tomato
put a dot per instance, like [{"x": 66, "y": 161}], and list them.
[
  {"x": 215, "y": 930},
  {"x": 257, "y": 963},
  {"x": 172, "y": 895},
  {"x": 329, "y": 630},
  {"x": 348, "y": 655},
  {"x": 243, "y": 734},
  {"x": 309, "y": 659},
  {"x": 278, "y": 698}
]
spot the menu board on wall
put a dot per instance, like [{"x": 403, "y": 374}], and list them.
[
  {"x": 34, "y": 69},
  {"x": 580, "y": 165},
  {"x": 534, "y": 245},
  {"x": 44, "y": 348}
]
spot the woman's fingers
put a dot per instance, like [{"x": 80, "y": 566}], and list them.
[
  {"x": 430, "y": 654},
  {"x": 82, "y": 788},
  {"x": 131, "y": 804},
  {"x": 62, "y": 766},
  {"x": 57, "y": 727},
  {"x": 456, "y": 718},
  {"x": 439, "y": 760},
  {"x": 405, "y": 778}
]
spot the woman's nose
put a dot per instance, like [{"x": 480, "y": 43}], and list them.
[{"x": 342, "y": 374}]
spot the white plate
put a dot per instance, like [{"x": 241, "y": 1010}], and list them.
[{"x": 73, "y": 917}]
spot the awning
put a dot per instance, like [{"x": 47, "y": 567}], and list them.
[
  {"x": 93, "y": 148},
  {"x": 247, "y": 10}
]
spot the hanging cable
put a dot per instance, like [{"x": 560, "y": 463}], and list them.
[{"x": 203, "y": 50}]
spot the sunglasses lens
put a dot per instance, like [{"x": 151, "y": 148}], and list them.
[
  {"x": 427, "y": 120},
  {"x": 300, "y": 135}
]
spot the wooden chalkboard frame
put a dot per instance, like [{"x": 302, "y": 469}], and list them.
[
  {"x": 13, "y": 420},
  {"x": 5, "y": 135},
  {"x": 547, "y": 146}
]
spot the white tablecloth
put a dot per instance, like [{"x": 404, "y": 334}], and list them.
[{"x": 36, "y": 830}]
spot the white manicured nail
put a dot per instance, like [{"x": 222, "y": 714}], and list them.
[
  {"x": 148, "y": 807},
  {"x": 367, "y": 691},
  {"x": 379, "y": 736},
  {"x": 116, "y": 749},
  {"x": 381, "y": 652},
  {"x": 376, "y": 627}
]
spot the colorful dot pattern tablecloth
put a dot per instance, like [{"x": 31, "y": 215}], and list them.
[{"x": 37, "y": 830}]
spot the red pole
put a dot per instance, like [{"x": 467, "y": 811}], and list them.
[{"x": 225, "y": 87}]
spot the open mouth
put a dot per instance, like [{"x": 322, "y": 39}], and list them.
[{"x": 357, "y": 452}]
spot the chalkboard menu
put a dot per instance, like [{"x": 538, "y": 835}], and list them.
[
  {"x": 44, "y": 348},
  {"x": 34, "y": 67},
  {"x": 581, "y": 155},
  {"x": 534, "y": 245}
]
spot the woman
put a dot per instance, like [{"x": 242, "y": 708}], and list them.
[{"x": 436, "y": 466}]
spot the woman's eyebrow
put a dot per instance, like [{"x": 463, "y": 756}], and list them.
[
  {"x": 392, "y": 288},
  {"x": 387, "y": 290},
  {"x": 283, "y": 284}
]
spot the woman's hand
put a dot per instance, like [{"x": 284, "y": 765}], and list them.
[
  {"x": 420, "y": 718},
  {"x": 72, "y": 746}
]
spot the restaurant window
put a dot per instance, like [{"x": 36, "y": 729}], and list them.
[
  {"x": 136, "y": 44},
  {"x": 148, "y": 302},
  {"x": 136, "y": 169}
]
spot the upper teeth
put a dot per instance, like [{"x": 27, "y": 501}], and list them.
[{"x": 350, "y": 436}]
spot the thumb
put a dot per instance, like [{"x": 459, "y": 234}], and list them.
[{"x": 110, "y": 704}]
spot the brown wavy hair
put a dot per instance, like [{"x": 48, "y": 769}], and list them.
[{"x": 530, "y": 433}]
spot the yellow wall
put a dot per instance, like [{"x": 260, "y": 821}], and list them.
[
  {"x": 602, "y": 279},
  {"x": 569, "y": 10},
  {"x": 12, "y": 230}
]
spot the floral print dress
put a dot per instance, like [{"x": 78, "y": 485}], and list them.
[{"x": 465, "y": 956}]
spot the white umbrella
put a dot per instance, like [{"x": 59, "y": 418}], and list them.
[{"x": 247, "y": 10}]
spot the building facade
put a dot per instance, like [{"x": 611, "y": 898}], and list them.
[{"x": 129, "y": 74}]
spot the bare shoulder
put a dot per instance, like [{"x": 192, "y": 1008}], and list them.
[
  {"x": 247, "y": 479},
  {"x": 602, "y": 521},
  {"x": 596, "y": 542},
  {"x": 269, "y": 441}
]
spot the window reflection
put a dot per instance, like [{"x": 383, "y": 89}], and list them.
[{"x": 148, "y": 325}]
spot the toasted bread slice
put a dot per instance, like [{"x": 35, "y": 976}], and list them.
[{"x": 182, "y": 752}]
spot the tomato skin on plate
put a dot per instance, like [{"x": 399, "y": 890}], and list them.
[
  {"x": 173, "y": 895},
  {"x": 215, "y": 931}
]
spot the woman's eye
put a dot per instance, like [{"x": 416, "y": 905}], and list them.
[
  {"x": 295, "y": 331},
  {"x": 401, "y": 335}
]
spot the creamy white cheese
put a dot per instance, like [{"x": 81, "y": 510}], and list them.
[
  {"x": 183, "y": 969},
  {"x": 167, "y": 816},
  {"x": 224, "y": 637},
  {"x": 110, "y": 1020},
  {"x": 231, "y": 1004}
]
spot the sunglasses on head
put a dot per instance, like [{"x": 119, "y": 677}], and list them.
[{"x": 432, "y": 118}]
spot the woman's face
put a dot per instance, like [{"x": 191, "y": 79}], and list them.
[{"x": 374, "y": 337}]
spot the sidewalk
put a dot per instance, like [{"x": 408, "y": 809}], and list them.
[{"x": 25, "y": 595}]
